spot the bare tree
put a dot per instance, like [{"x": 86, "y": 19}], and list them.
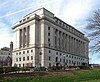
[{"x": 94, "y": 31}]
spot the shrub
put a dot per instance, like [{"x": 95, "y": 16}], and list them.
[
  {"x": 39, "y": 69},
  {"x": 55, "y": 68},
  {"x": 1, "y": 70}
]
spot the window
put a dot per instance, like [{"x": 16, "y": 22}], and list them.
[
  {"x": 49, "y": 51},
  {"x": 27, "y": 51},
  {"x": 16, "y": 53},
  {"x": 48, "y": 28},
  {"x": 31, "y": 51},
  {"x": 48, "y": 34},
  {"x": 24, "y": 19},
  {"x": 20, "y": 21},
  {"x": 60, "y": 59},
  {"x": 19, "y": 65},
  {"x": 28, "y": 17},
  {"x": 56, "y": 53},
  {"x": 23, "y": 65},
  {"x": 49, "y": 64},
  {"x": 27, "y": 57},
  {"x": 19, "y": 52},
  {"x": 20, "y": 59},
  {"x": 23, "y": 52},
  {"x": 23, "y": 58},
  {"x": 49, "y": 45},
  {"x": 69, "y": 61},
  {"x": 49, "y": 58},
  {"x": 16, "y": 59},
  {"x": 48, "y": 39},
  {"x": 31, "y": 57},
  {"x": 56, "y": 60},
  {"x": 60, "y": 54}
]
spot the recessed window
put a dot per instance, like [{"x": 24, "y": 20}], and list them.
[
  {"x": 27, "y": 57},
  {"x": 19, "y": 52},
  {"x": 56, "y": 59},
  {"x": 49, "y": 58},
  {"x": 27, "y": 51},
  {"x": 49, "y": 64},
  {"x": 16, "y": 53},
  {"x": 31, "y": 57},
  {"x": 48, "y": 28},
  {"x": 16, "y": 59},
  {"x": 20, "y": 21},
  {"x": 19, "y": 65},
  {"x": 31, "y": 50},
  {"x": 56, "y": 53},
  {"x": 20, "y": 59},
  {"x": 23, "y": 58},
  {"x": 24, "y": 19},
  {"x": 23, "y": 52},
  {"x": 49, "y": 51},
  {"x": 23, "y": 65},
  {"x": 48, "y": 39},
  {"x": 48, "y": 34},
  {"x": 28, "y": 17},
  {"x": 60, "y": 59},
  {"x": 49, "y": 45}
]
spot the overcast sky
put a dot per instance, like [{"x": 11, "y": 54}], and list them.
[{"x": 73, "y": 12}]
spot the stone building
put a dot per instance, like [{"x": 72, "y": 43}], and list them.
[
  {"x": 42, "y": 39},
  {"x": 5, "y": 57}
]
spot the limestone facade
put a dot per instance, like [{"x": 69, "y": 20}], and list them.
[{"x": 41, "y": 39}]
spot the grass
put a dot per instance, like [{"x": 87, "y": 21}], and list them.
[{"x": 77, "y": 76}]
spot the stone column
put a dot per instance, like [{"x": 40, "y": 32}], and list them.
[
  {"x": 20, "y": 38},
  {"x": 54, "y": 38},
  {"x": 23, "y": 37},
  {"x": 27, "y": 36},
  {"x": 61, "y": 41},
  {"x": 66, "y": 43}
]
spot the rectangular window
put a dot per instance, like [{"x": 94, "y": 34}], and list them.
[
  {"x": 49, "y": 51},
  {"x": 31, "y": 57},
  {"x": 27, "y": 57},
  {"x": 23, "y": 65},
  {"x": 60, "y": 59},
  {"x": 49, "y": 64},
  {"x": 23, "y": 58},
  {"x": 16, "y": 59},
  {"x": 31, "y": 51},
  {"x": 56, "y": 60},
  {"x": 23, "y": 52},
  {"x": 49, "y": 58},
  {"x": 48, "y": 34},
  {"x": 48, "y": 28},
  {"x": 56, "y": 53},
  {"x": 48, "y": 39},
  {"x": 19, "y": 52},
  {"x": 19, "y": 65},
  {"x": 20, "y": 59},
  {"x": 27, "y": 51}
]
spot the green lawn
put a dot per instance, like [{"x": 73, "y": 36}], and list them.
[
  {"x": 87, "y": 76},
  {"x": 92, "y": 80}
]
